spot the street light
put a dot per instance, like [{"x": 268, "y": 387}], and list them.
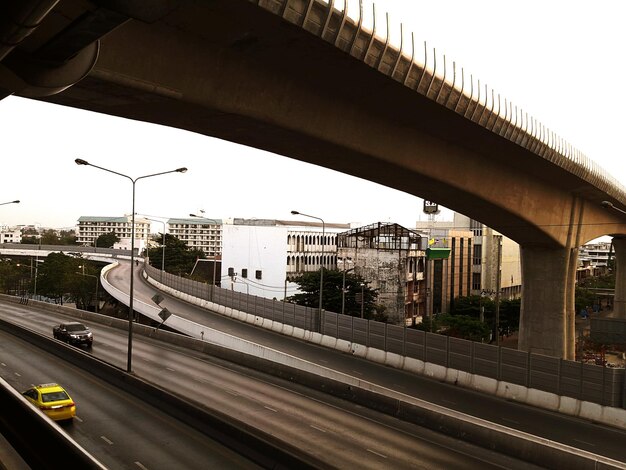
[
  {"x": 610, "y": 205},
  {"x": 343, "y": 285},
  {"x": 131, "y": 315},
  {"x": 97, "y": 284},
  {"x": 321, "y": 264},
  {"x": 214, "y": 253},
  {"x": 10, "y": 202},
  {"x": 162, "y": 243}
]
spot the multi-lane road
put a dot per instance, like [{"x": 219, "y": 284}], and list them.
[
  {"x": 571, "y": 431},
  {"x": 124, "y": 433},
  {"x": 338, "y": 433}
]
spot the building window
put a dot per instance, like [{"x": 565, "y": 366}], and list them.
[
  {"x": 258, "y": 274},
  {"x": 244, "y": 272},
  {"x": 476, "y": 281},
  {"x": 478, "y": 255}
]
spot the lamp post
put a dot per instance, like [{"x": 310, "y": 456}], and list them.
[
  {"x": 97, "y": 284},
  {"x": 319, "y": 320},
  {"x": 608, "y": 205},
  {"x": 162, "y": 243},
  {"x": 362, "y": 299},
  {"x": 131, "y": 312},
  {"x": 214, "y": 253},
  {"x": 343, "y": 283},
  {"x": 10, "y": 202}
]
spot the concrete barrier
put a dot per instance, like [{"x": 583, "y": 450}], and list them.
[{"x": 52, "y": 449}]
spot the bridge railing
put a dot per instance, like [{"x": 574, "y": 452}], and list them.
[
  {"x": 65, "y": 249},
  {"x": 586, "y": 382}
]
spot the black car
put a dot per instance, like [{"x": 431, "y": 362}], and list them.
[{"x": 73, "y": 333}]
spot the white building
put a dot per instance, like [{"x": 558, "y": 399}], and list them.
[
  {"x": 198, "y": 232},
  {"x": 262, "y": 257},
  {"x": 9, "y": 235},
  {"x": 90, "y": 228},
  {"x": 595, "y": 254}
]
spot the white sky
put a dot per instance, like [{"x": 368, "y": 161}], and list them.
[{"x": 561, "y": 61}]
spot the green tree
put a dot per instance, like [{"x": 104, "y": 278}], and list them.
[
  {"x": 67, "y": 237},
  {"x": 509, "y": 315},
  {"x": 464, "y": 326},
  {"x": 107, "y": 240},
  {"x": 309, "y": 284},
  {"x": 50, "y": 237},
  {"x": 179, "y": 258},
  {"x": 62, "y": 276},
  {"x": 30, "y": 236},
  {"x": 470, "y": 306},
  {"x": 55, "y": 275},
  {"x": 15, "y": 277}
]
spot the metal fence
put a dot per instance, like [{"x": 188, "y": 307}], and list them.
[
  {"x": 602, "y": 385},
  {"x": 608, "y": 330}
]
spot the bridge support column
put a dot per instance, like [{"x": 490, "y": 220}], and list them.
[
  {"x": 619, "y": 302},
  {"x": 547, "y": 311}
]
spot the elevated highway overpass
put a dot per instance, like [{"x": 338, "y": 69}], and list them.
[{"x": 301, "y": 79}]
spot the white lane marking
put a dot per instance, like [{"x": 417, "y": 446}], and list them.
[
  {"x": 17, "y": 373},
  {"x": 3, "y": 364},
  {"x": 106, "y": 440},
  {"x": 170, "y": 369},
  {"x": 140, "y": 465},
  {"x": 315, "y": 427},
  {"x": 585, "y": 442},
  {"x": 376, "y": 453},
  {"x": 357, "y": 372},
  {"x": 271, "y": 409},
  {"x": 78, "y": 419}
]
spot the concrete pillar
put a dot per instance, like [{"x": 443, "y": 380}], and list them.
[
  {"x": 547, "y": 295},
  {"x": 619, "y": 303}
]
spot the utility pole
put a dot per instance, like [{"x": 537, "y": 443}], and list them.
[{"x": 498, "y": 239}]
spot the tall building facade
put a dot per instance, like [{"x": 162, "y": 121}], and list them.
[
  {"x": 198, "y": 232},
  {"x": 487, "y": 248},
  {"x": 264, "y": 256},
  {"x": 90, "y": 228},
  {"x": 391, "y": 259}
]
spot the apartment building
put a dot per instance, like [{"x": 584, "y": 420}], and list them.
[
  {"x": 90, "y": 228},
  {"x": 200, "y": 233}
]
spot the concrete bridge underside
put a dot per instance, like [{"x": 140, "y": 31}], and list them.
[{"x": 240, "y": 72}]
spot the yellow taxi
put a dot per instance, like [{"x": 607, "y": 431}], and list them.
[{"x": 53, "y": 400}]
